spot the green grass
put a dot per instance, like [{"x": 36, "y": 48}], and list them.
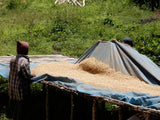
[
  {"x": 71, "y": 30},
  {"x": 3, "y": 116}
]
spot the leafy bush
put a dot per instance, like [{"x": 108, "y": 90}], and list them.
[
  {"x": 148, "y": 3},
  {"x": 16, "y": 4}
]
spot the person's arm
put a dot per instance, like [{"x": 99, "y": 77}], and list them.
[
  {"x": 113, "y": 40},
  {"x": 33, "y": 75},
  {"x": 26, "y": 71},
  {"x": 99, "y": 41}
]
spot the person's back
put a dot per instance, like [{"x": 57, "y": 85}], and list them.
[
  {"x": 19, "y": 77},
  {"x": 19, "y": 83}
]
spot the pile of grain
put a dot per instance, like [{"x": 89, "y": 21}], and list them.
[
  {"x": 94, "y": 66},
  {"x": 96, "y": 73}
]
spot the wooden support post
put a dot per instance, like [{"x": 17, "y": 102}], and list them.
[
  {"x": 47, "y": 110},
  {"x": 103, "y": 110},
  {"x": 72, "y": 108},
  {"x": 148, "y": 116},
  {"x": 120, "y": 113},
  {"x": 94, "y": 110}
]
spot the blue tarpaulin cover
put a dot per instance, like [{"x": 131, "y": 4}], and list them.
[
  {"x": 119, "y": 57},
  {"x": 4, "y": 69},
  {"x": 136, "y": 98}
]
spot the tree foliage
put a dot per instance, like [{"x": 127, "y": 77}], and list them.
[{"x": 152, "y": 4}]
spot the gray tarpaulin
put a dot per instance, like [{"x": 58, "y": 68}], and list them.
[{"x": 125, "y": 59}]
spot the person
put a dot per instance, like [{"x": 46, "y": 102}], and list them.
[
  {"x": 19, "y": 82},
  {"x": 126, "y": 41}
]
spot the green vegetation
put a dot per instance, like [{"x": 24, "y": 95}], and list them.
[
  {"x": 152, "y": 4},
  {"x": 50, "y": 28},
  {"x": 67, "y": 29},
  {"x": 4, "y": 98}
]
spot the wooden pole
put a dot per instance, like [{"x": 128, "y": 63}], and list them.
[
  {"x": 103, "y": 110},
  {"x": 148, "y": 116},
  {"x": 47, "y": 102},
  {"x": 120, "y": 113},
  {"x": 72, "y": 108},
  {"x": 94, "y": 110}
]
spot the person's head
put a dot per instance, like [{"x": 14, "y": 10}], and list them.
[
  {"x": 22, "y": 47},
  {"x": 128, "y": 41}
]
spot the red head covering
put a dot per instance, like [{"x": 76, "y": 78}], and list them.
[{"x": 22, "y": 47}]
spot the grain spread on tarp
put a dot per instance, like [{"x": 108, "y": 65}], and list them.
[{"x": 94, "y": 72}]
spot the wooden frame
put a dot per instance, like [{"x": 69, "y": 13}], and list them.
[{"x": 121, "y": 104}]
